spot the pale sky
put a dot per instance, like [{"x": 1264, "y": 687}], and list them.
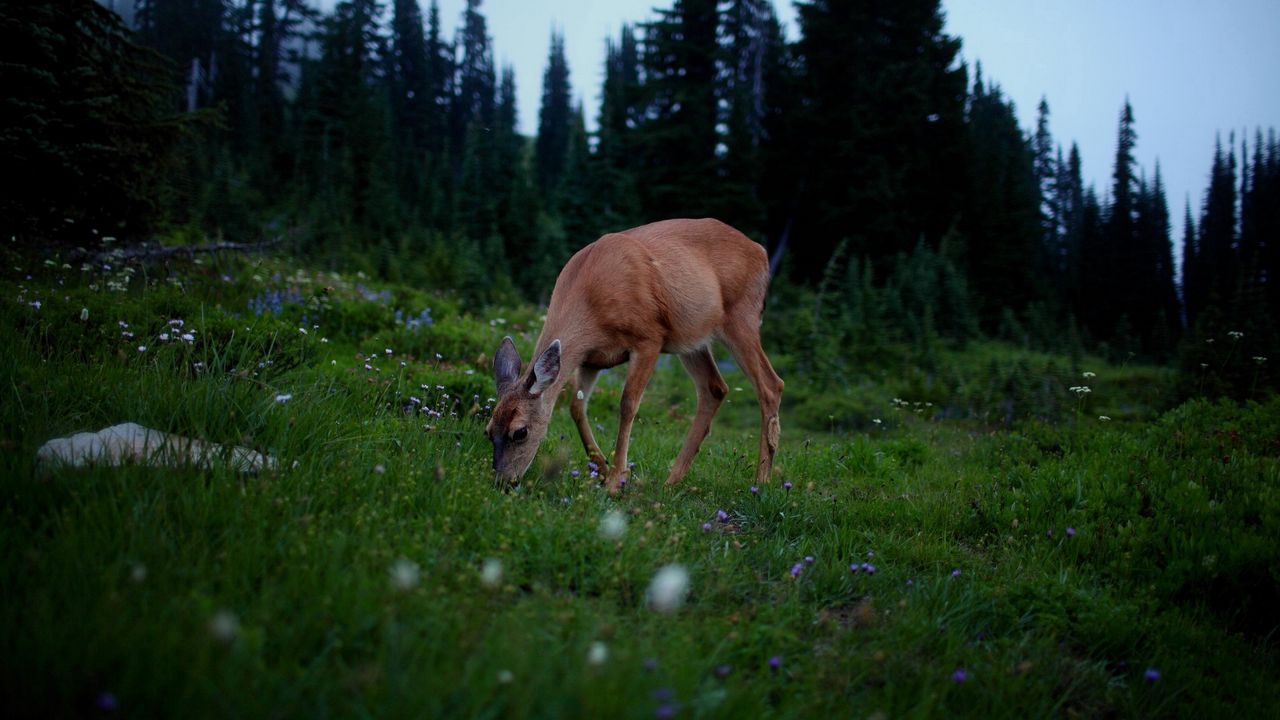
[{"x": 1191, "y": 68}]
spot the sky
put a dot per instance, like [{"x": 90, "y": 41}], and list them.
[{"x": 1191, "y": 68}]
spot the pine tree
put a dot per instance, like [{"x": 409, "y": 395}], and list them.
[
  {"x": 1002, "y": 204},
  {"x": 552, "y": 148},
  {"x": 1192, "y": 271},
  {"x": 1216, "y": 250},
  {"x": 880, "y": 128},
  {"x": 676, "y": 141},
  {"x": 89, "y": 127},
  {"x": 614, "y": 158},
  {"x": 473, "y": 101}
]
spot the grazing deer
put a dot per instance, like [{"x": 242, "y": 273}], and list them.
[{"x": 667, "y": 287}]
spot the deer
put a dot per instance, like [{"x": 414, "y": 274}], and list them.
[{"x": 667, "y": 287}]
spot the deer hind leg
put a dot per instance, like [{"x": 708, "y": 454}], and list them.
[
  {"x": 585, "y": 383},
  {"x": 639, "y": 370},
  {"x": 701, "y": 366},
  {"x": 742, "y": 335}
]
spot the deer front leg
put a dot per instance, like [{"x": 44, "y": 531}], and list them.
[
  {"x": 639, "y": 370},
  {"x": 586, "y": 381}
]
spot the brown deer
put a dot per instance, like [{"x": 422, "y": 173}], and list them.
[{"x": 667, "y": 287}]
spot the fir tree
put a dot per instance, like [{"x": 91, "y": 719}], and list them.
[{"x": 552, "y": 149}]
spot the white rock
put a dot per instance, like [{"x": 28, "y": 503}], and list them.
[{"x": 131, "y": 443}]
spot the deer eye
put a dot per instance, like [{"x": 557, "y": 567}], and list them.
[{"x": 520, "y": 435}]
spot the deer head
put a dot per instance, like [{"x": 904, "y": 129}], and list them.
[{"x": 520, "y": 418}]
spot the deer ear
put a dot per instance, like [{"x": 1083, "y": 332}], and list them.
[
  {"x": 506, "y": 364},
  {"x": 545, "y": 369}
]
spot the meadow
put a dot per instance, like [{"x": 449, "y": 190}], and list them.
[{"x": 929, "y": 546}]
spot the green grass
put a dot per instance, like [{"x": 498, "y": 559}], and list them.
[{"x": 212, "y": 593}]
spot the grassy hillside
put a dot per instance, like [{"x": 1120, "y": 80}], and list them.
[{"x": 1029, "y": 557}]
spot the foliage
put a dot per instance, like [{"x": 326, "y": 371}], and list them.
[{"x": 1091, "y": 567}]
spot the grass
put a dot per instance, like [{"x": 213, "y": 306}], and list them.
[{"x": 348, "y": 583}]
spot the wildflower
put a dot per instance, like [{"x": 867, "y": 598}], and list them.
[
  {"x": 139, "y": 573},
  {"x": 491, "y": 573},
  {"x": 868, "y": 568},
  {"x": 188, "y": 337},
  {"x": 955, "y": 573},
  {"x": 706, "y": 527},
  {"x": 283, "y": 398},
  {"x": 380, "y": 469},
  {"x": 302, "y": 330},
  {"x": 613, "y": 525},
  {"x": 787, "y": 486},
  {"x": 84, "y": 314},
  {"x": 650, "y": 664},
  {"x": 797, "y": 569},
  {"x": 122, "y": 323},
  {"x": 808, "y": 559},
  {"x": 164, "y": 337},
  {"x": 505, "y": 677},
  {"x": 1104, "y": 418},
  {"x": 224, "y": 626},
  {"x": 142, "y": 348},
  {"x": 665, "y": 711},
  {"x": 910, "y": 582},
  {"x": 1080, "y": 389},
  {"x": 404, "y": 574},
  {"x": 1259, "y": 359},
  {"x": 755, "y": 490},
  {"x": 668, "y": 589},
  {"x": 176, "y": 323},
  {"x": 1049, "y": 533},
  {"x": 1235, "y": 334},
  {"x": 388, "y": 351},
  {"x": 875, "y": 420},
  {"x": 574, "y": 472},
  {"x": 723, "y": 671},
  {"x": 126, "y": 335},
  {"x": 959, "y": 676},
  {"x": 324, "y": 339},
  {"x": 1088, "y": 374},
  {"x": 107, "y": 702},
  {"x": 722, "y": 516},
  {"x": 1152, "y": 675},
  {"x": 35, "y": 304},
  {"x": 597, "y": 654},
  {"x": 1071, "y": 532},
  {"x": 775, "y": 662}
]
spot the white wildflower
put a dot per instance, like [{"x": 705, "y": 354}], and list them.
[
  {"x": 597, "y": 654},
  {"x": 491, "y": 573},
  {"x": 613, "y": 525},
  {"x": 84, "y": 314},
  {"x": 668, "y": 589},
  {"x": 405, "y": 575},
  {"x": 224, "y": 626},
  {"x": 1088, "y": 374},
  {"x": 283, "y": 398}
]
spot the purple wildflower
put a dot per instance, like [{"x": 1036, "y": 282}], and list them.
[
  {"x": 574, "y": 473},
  {"x": 1152, "y": 675},
  {"x": 663, "y": 694},
  {"x": 723, "y": 671},
  {"x": 1071, "y": 532},
  {"x": 755, "y": 490},
  {"x": 955, "y": 573},
  {"x": 1049, "y": 533},
  {"x": 868, "y": 568},
  {"x": 706, "y": 527},
  {"x": 107, "y": 702},
  {"x": 651, "y": 664},
  {"x": 722, "y": 516},
  {"x": 787, "y": 486},
  {"x": 910, "y": 582},
  {"x": 959, "y": 676},
  {"x": 592, "y": 466},
  {"x": 666, "y": 711},
  {"x": 775, "y": 662},
  {"x": 797, "y": 569},
  {"x": 808, "y": 559}
]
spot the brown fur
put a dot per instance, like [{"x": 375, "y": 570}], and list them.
[{"x": 670, "y": 287}]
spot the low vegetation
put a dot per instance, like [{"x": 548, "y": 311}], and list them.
[{"x": 934, "y": 542}]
